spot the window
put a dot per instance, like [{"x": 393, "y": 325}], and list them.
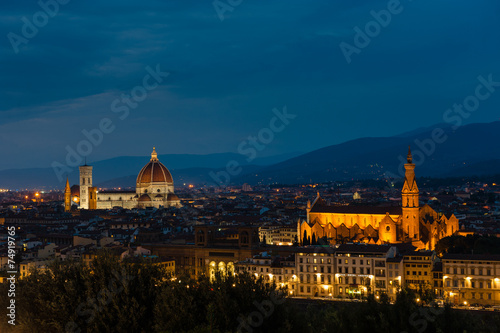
[
  {"x": 480, "y": 271},
  {"x": 346, "y": 262},
  {"x": 473, "y": 271},
  {"x": 354, "y": 261},
  {"x": 488, "y": 272},
  {"x": 447, "y": 283},
  {"x": 340, "y": 290},
  {"x": 390, "y": 266},
  {"x": 454, "y": 271},
  {"x": 368, "y": 270},
  {"x": 488, "y": 284},
  {"x": 480, "y": 285},
  {"x": 354, "y": 270},
  {"x": 462, "y": 271},
  {"x": 340, "y": 280},
  {"x": 346, "y": 269},
  {"x": 473, "y": 284},
  {"x": 301, "y": 260},
  {"x": 447, "y": 271},
  {"x": 340, "y": 269},
  {"x": 361, "y": 261},
  {"x": 368, "y": 262},
  {"x": 340, "y": 261},
  {"x": 361, "y": 270}
]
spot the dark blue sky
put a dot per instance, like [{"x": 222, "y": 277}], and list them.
[{"x": 227, "y": 75}]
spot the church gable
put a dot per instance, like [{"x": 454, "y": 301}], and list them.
[
  {"x": 342, "y": 231},
  {"x": 354, "y": 230},
  {"x": 370, "y": 232},
  {"x": 330, "y": 231}
]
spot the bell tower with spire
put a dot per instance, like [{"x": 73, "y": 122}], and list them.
[
  {"x": 410, "y": 205},
  {"x": 67, "y": 197}
]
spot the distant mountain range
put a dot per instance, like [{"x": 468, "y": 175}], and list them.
[
  {"x": 438, "y": 151},
  {"x": 122, "y": 171},
  {"x": 471, "y": 150}
]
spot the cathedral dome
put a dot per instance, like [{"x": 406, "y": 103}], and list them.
[{"x": 154, "y": 172}]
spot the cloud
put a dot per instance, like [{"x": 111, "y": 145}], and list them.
[{"x": 227, "y": 76}]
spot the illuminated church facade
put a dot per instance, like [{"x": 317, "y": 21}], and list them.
[
  {"x": 154, "y": 188},
  {"x": 410, "y": 222}
]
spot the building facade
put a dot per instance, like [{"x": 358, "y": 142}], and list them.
[{"x": 471, "y": 279}]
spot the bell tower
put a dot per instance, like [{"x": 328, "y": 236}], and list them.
[
  {"x": 67, "y": 197},
  {"x": 410, "y": 205},
  {"x": 85, "y": 184}
]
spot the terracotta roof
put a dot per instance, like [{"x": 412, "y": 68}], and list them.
[
  {"x": 361, "y": 247},
  {"x": 172, "y": 197},
  {"x": 144, "y": 197},
  {"x": 354, "y": 209},
  {"x": 491, "y": 257},
  {"x": 155, "y": 172}
]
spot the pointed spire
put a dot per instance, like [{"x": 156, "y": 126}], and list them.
[
  {"x": 67, "y": 183},
  {"x": 409, "y": 158},
  {"x": 154, "y": 155}
]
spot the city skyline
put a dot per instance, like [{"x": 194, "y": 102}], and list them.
[{"x": 226, "y": 74}]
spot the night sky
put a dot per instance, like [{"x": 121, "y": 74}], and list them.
[{"x": 229, "y": 70}]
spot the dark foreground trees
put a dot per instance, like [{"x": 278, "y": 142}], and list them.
[{"x": 109, "y": 296}]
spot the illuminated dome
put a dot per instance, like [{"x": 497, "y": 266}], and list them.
[{"x": 154, "y": 172}]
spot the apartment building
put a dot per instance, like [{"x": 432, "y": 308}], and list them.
[{"x": 471, "y": 279}]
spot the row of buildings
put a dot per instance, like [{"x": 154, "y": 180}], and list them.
[{"x": 349, "y": 270}]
